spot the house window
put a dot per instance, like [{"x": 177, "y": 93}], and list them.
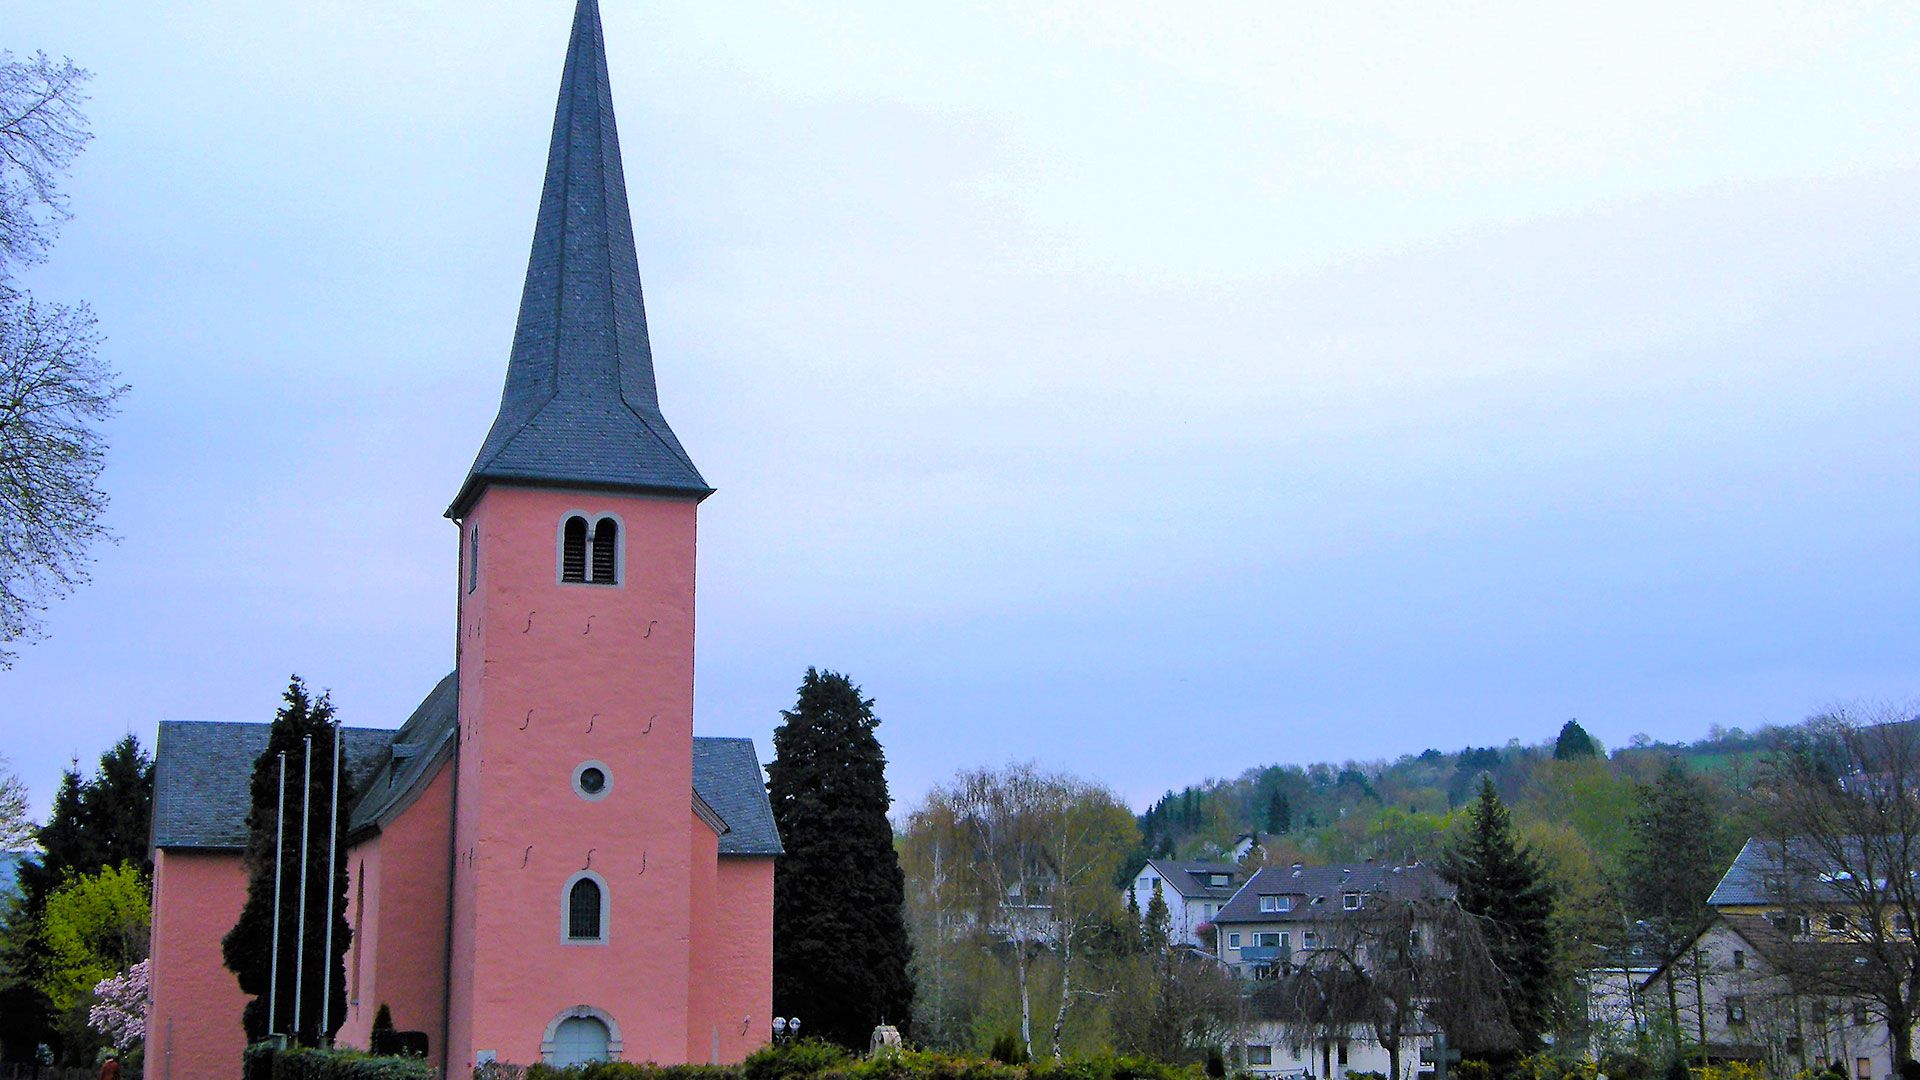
[
  {"x": 1219, "y": 880},
  {"x": 1259, "y": 1054},
  {"x": 473, "y": 559},
  {"x": 1266, "y": 941},
  {"x": 586, "y": 909},
  {"x": 1233, "y": 940},
  {"x": 1836, "y": 922},
  {"x": 1739, "y": 959},
  {"x": 1310, "y": 940},
  {"x": 1350, "y": 901},
  {"x": 1736, "y": 1010},
  {"x": 1863, "y": 1068},
  {"x": 592, "y": 780},
  {"x": 1276, "y": 903},
  {"x": 1343, "y": 1051}
]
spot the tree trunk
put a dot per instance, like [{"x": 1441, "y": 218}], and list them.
[
  {"x": 1066, "y": 989},
  {"x": 1900, "y": 1034},
  {"x": 1700, "y": 1005},
  {"x": 1021, "y": 961}
]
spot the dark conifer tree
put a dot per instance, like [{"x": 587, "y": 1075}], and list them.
[
  {"x": 1279, "y": 813},
  {"x": 840, "y": 947},
  {"x": 248, "y": 947},
  {"x": 1574, "y": 744},
  {"x": 1502, "y": 882}
]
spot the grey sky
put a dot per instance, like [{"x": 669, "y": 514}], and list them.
[{"x": 1152, "y": 391}]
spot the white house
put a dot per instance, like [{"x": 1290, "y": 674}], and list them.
[{"x": 1194, "y": 893}]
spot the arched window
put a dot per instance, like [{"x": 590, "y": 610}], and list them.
[
  {"x": 573, "y": 549},
  {"x": 585, "y": 908},
  {"x": 606, "y": 541}
]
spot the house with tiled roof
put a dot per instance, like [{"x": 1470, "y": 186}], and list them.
[
  {"x": 543, "y": 863},
  {"x": 1194, "y": 892},
  {"x": 1282, "y": 913}
]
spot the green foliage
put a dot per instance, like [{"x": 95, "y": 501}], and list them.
[
  {"x": 840, "y": 951},
  {"x": 383, "y": 1019},
  {"x": 95, "y": 926},
  {"x": 1472, "y": 1069},
  {"x": 1502, "y": 882},
  {"x": 1008, "y": 1050},
  {"x": 96, "y": 822},
  {"x": 819, "y": 1060},
  {"x": 263, "y": 1062},
  {"x": 248, "y": 947}
]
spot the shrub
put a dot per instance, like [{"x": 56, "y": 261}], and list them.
[
  {"x": 263, "y": 1062},
  {"x": 792, "y": 1061},
  {"x": 1007, "y": 1050},
  {"x": 1623, "y": 1066},
  {"x": 1472, "y": 1069}
]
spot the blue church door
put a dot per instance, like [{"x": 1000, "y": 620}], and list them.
[{"x": 580, "y": 1039}]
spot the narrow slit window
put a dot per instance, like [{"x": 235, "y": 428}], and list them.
[
  {"x": 573, "y": 550},
  {"x": 583, "y": 911},
  {"x": 606, "y": 546},
  {"x": 473, "y": 560}
]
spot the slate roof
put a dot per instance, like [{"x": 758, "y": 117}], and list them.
[
  {"x": 1192, "y": 879},
  {"x": 1317, "y": 890},
  {"x": 726, "y": 773},
  {"x": 202, "y": 770},
  {"x": 1758, "y": 876},
  {"x": 580, "y": 407}
]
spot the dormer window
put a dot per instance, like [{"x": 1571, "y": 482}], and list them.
[
  {"x": 1218, "y": 880},
  {"x": 1350, "y": 901},
  {"x": 1276, "y": 903},
  {"x": 590, "y": 551}
]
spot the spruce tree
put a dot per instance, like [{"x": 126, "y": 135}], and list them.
[
  {"x": 1502, "y": 882},
  {"x": 840, "y": 947},
  {"x": 1574, "y": 744},
  {"x": 1279, "y": 813},
  {"x": 248, "y": 947}
]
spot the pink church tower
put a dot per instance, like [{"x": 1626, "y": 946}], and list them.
[{"x": 580, "y": 846}]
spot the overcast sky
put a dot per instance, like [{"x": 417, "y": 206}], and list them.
[{"x": 1149, "y": 391}]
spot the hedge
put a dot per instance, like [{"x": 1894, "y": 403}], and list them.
[
  {"x": 813, "y": 1060},
  {"x": 264, "y": 1062}
]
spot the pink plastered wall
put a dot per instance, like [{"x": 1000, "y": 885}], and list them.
[
  {"x": 194, "y": 1029},
  {"x": 552, "y": 675},
  {"x": 735, "y": 962},
  {"x": 703, "y": 893},
  {"x": 400, "y": 928}
]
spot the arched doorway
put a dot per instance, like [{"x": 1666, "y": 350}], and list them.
[
  {"x": 581, "y": 1035},
  {"x": 579, "y": 1040}
]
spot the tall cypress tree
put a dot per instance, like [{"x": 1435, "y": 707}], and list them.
[
  {"x": 248, "y": 947},
  {"x": 839, "y": 924},
  {"x": 1503, "y": 883}
]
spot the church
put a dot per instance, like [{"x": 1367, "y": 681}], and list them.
[{"x": 544, "y": 863}]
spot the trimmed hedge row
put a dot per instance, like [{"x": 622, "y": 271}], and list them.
[
  {"x": 814, "y": 1060},
  {"x": 264, "y": 1062}
]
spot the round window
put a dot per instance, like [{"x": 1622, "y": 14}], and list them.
[{"x": 591, "y": 780}]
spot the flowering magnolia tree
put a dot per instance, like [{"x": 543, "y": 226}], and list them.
[{"x": 119, "y": 1009}]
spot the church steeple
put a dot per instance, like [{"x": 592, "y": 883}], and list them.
[{"x": 580, "y": 408}]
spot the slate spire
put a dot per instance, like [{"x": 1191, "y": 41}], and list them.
[{"x": 580, "y": 407}]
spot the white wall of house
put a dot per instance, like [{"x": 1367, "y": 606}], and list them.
[
  {"x": 1321, "y": 1058},
  {"x": 1184, "y": 917}
]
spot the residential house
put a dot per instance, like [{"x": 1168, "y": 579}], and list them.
[
  {"x": 1766, "y": 980},
  {"x": 1266, "y": 930},
  {"x": 1194, "y": 893}
]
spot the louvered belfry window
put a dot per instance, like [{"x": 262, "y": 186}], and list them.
[
  {"x": 573, "y": 550},
  {"x": 606, "y": 541},
  {"x": 583, "y": 911}
]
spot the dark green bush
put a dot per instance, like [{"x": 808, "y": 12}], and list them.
[
  {"x": 1623, "y": 1066},
  {"x": 793, "y": 1060},
  {"x": 1007, "y": 1050},
  {"x": 263, "y": 1062}
]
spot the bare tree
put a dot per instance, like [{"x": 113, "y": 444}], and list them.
[
  {"x": 1399, "y": 967},
  {"x": 54, "y": 389},
  {"x": 1031, "y": 856},
  {"x": 1844, "y": 803},
  {"x": 1177, "y": 1003}
]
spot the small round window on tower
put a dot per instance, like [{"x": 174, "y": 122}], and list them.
[{"x": 591, "y": 780}]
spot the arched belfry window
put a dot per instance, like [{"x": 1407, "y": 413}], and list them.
[
  {"x": 573, "y": 549},
  {"x": 606, "y": 546},
  {"x": 586, "y": 909},
  {"x": 590, "y": 550}
]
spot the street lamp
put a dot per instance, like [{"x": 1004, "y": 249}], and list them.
[{"x": 785, "y": 1030}]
